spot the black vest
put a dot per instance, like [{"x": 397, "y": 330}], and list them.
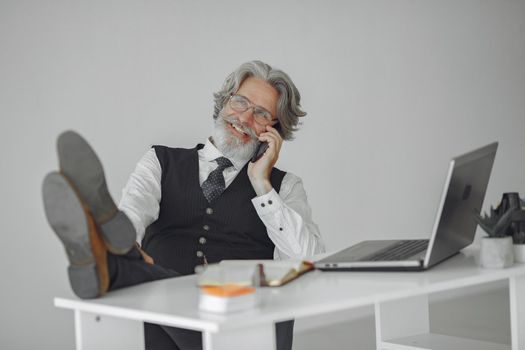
[{"x": 190, "y": 230}]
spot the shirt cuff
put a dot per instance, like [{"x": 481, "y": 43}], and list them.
[{"x": 268, "y": 203}]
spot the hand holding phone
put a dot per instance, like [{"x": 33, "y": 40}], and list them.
[
  {"x": 259, "y": 151},
  {"x": 262, "y": 147},
  {"x": 259, "y": 170}
]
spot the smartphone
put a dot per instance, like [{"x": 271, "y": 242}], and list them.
[{"x": 259, "y": 151}]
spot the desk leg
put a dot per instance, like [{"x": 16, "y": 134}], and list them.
[
  {"x": 93, "y": 332},
  {"x": 401, "y": 318},
  {"x": 254, "y": 338},
  {"x": 517, "y": 311}
]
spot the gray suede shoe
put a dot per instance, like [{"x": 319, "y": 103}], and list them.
[
  {"x": 86, "y": 252},
  {"x": 80, "y": 164}
]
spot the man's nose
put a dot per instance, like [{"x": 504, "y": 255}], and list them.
[{"x": 246, "y": 116}]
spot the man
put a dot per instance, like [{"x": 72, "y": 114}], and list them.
[{"x": 189, "y": 207}]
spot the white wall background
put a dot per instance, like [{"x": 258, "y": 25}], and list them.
[{"x": 393, "y": 90}]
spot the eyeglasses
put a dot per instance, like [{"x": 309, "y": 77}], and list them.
[{"x": 241, "y": 104}]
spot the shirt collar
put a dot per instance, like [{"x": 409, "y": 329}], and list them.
[{"x": 210, "y": 153}]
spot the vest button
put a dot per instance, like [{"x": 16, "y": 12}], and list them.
[
  {"x": 199, "y": 254},
  {"x": 206, "y": 227},
  {"x": 202, "y": 240},
  {"x": 209, "y": 211}
]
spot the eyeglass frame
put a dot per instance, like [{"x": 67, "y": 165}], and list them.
[{"x": 252, "y": 106}]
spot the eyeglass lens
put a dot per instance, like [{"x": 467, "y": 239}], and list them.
[{"x": 241, "y": 104}]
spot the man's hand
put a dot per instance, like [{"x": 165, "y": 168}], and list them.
[
  {"x": 148, "y": 259},
  {"x": 259, "y": 172}
]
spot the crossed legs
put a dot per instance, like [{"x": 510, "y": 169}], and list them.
[{"x": 98, "y": 239}]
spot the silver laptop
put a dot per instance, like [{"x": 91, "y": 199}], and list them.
[{"x": 454, "y": 227}]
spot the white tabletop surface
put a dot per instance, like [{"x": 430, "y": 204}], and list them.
[{"x": 174, "y": 301}]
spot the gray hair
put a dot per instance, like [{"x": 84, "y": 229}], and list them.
[{"x": 288, "y": 106}]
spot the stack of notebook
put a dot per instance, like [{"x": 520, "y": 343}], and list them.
[{"x": 227, "y": 298}]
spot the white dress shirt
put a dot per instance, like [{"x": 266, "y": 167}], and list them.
[{"x": 287, "y": 215}]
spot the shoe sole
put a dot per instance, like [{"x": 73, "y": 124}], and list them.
[
  {"x": 80, "y": 164},
  {"x": 76, "y": 229}
]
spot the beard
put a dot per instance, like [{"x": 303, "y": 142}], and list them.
[{"x": 230, "y": 145}]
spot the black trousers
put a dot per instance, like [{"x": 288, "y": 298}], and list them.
[{"x": 130, "y": 269}]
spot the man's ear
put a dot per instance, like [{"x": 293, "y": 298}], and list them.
[{"x": 279, "y": 129}]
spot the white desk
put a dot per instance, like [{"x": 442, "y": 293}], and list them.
[{"x": 400, "y": 300}]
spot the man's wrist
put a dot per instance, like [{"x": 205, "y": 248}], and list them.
[{"x": 261, "y": 187}]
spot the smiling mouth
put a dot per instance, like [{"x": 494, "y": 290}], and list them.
[{"x": 239, "y": 130}]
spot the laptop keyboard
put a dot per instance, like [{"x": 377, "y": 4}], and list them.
[{"x": 402, "y": 251}]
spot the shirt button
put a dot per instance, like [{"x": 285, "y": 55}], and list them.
[
  {"x": 199, "y": 254},
  {"x": 206, "y": 227},
  {"x": 202, "y": 240},
  {"x": 209, "y": 211}
]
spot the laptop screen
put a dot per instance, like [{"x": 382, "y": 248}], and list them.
[{"x": 463, "y": 194}]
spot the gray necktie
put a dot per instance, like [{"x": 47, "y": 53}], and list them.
[{"x": 214, "y": 184}]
